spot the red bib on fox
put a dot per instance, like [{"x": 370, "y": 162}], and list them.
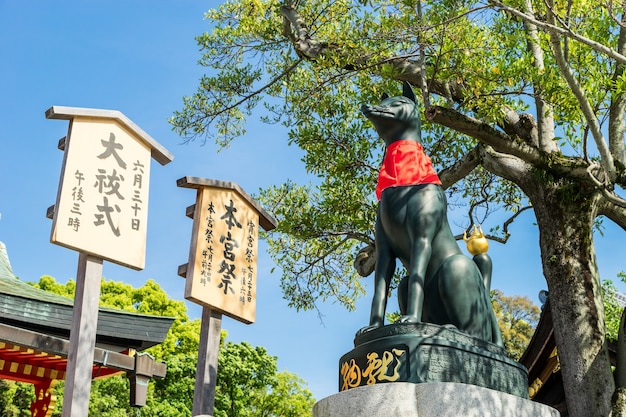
[{"x": 405, "y": 163}]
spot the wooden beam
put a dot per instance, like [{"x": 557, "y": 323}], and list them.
[
  {"x": 206, "y": 372},
  {"x": 159, "y": 153},
  {"x": 82, "y": 337},
  {"x": 57, "y": 346},
  {"x": 266, "y": 220}
]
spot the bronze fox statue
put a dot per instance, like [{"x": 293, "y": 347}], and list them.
[{"x": 443, "y": 286}]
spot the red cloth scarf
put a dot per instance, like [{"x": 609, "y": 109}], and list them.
[{"x": 405, "y": 163}]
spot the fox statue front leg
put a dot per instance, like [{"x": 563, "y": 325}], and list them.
[{"x": 383, "y": 274}]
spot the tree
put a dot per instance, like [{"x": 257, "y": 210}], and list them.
[
  {"x": 110, "y": 397},
  {"x": 286, "y": 398},
  {"x": 612, "y": 308},
  {"x": 523, "y": 107},
  {"x": 245, "y": 369},
  {"x": 517, "y": 318},
  {"x": 248, "y": 382},
  {"x": 249, "y": 385},
  {"x": 15, "y": 399}
]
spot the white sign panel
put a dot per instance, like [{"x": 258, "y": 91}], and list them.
[{"x": 102, "y": 204}]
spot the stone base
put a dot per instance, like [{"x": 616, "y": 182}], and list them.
[
  {"x": 423, "y": 352},
  {"x": 431, "y": 399}
]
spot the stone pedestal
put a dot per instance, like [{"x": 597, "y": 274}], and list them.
[
  {"x": 432, "y": 399},
  {"x": 422, "y": 353}
]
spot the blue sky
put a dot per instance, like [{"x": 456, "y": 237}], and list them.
[{"x": 140, "y": 57}]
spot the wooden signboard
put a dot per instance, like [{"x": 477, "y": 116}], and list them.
[
  {"x": 102, "y": 212},
  {"x": 102, "y": 202},
  {"x": 222, "y": 269}
]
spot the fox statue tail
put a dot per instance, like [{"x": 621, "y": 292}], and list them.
[{"x": 485, "y": 266}]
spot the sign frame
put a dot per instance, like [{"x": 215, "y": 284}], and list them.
[
  {"x": 76, "y": 199},
  {"x": 196, "y": 289}
]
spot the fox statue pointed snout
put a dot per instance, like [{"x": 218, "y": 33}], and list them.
[{"x": 395, "y": 118}]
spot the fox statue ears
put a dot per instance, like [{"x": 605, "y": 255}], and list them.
[{"x": 407, "y": 92}]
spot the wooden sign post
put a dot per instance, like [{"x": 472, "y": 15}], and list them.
[
  {"x": 101, "y": 211},
  {"x": 222, "y": 271}
]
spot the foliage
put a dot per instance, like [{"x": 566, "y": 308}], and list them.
[
  {"x": 318, "y": 100},
  {"x": 251, "y": 386},
  {"x": 612, "y": 308},
  {"x": 246, "y": 370},
  {"x": 517, "y": 318},
  {"x": 248, "y": 383},
  {"x": 315, "y": 89},
  {"x": 15, "y": 398},
  {"x": 523, "y": 106},
  {"x": 286, "y": 398},
  {"x": 47, "y": 283}
]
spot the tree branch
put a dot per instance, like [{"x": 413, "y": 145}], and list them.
[
  {"x": 618, "y": 104},
  {"x": 503, "y": 165},
  {"x": 614, "y": 211},
  {"x": 295, "y": 29},
  {"x": 484, "y": 133},
  {"x": 305, "y": 45},
  {"x": 592, "y": 121},
  {"x": 260, "y": 90},
  {"x": 460, "y": 169},
  {"x": 596, "y": 46},
  {"x": 509, "y": 221},
  {"x": 361, "y": 237},
  {"x": 513, "y": 123},
  {"x": 505, "y": 228},
  {"x": 545, "y": 132}
]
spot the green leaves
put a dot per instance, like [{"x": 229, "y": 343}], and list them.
[
  {"x": 242, "y": 370},
  {"x": 312, "y": 64},
  {"x": 612, "y": 309},
  {"x": 517, "y": 318},
  {"x": 249, "y": 385},
  {"x": 314, "y": 244},
  {"x": 15, "y": 398},
  {"x": 248, "y": 382}
]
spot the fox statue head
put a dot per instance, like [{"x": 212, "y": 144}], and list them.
[{"x": 395, "y": 118}]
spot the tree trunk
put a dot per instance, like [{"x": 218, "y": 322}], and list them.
[{"x": 565, "y": 213}]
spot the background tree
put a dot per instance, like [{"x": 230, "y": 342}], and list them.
[
  {"x": 249, "y": 385},
  {"x": 248, "y": 381},
  {"x": 517, "y": 318},
  {"x": 286, "y": 398},
  {"x": 612, "y": 307},
  {"x": 523, "y": 107},
  {"x": 110, "y": 397},
  {"x": 15, "y": 399}
]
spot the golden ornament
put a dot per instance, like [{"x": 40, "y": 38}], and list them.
[{"x": 477, "y": 243}]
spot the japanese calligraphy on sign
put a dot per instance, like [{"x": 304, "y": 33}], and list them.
[
  {"x": 102, "y": 203},
  {"x": 222, "y": 269}
]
